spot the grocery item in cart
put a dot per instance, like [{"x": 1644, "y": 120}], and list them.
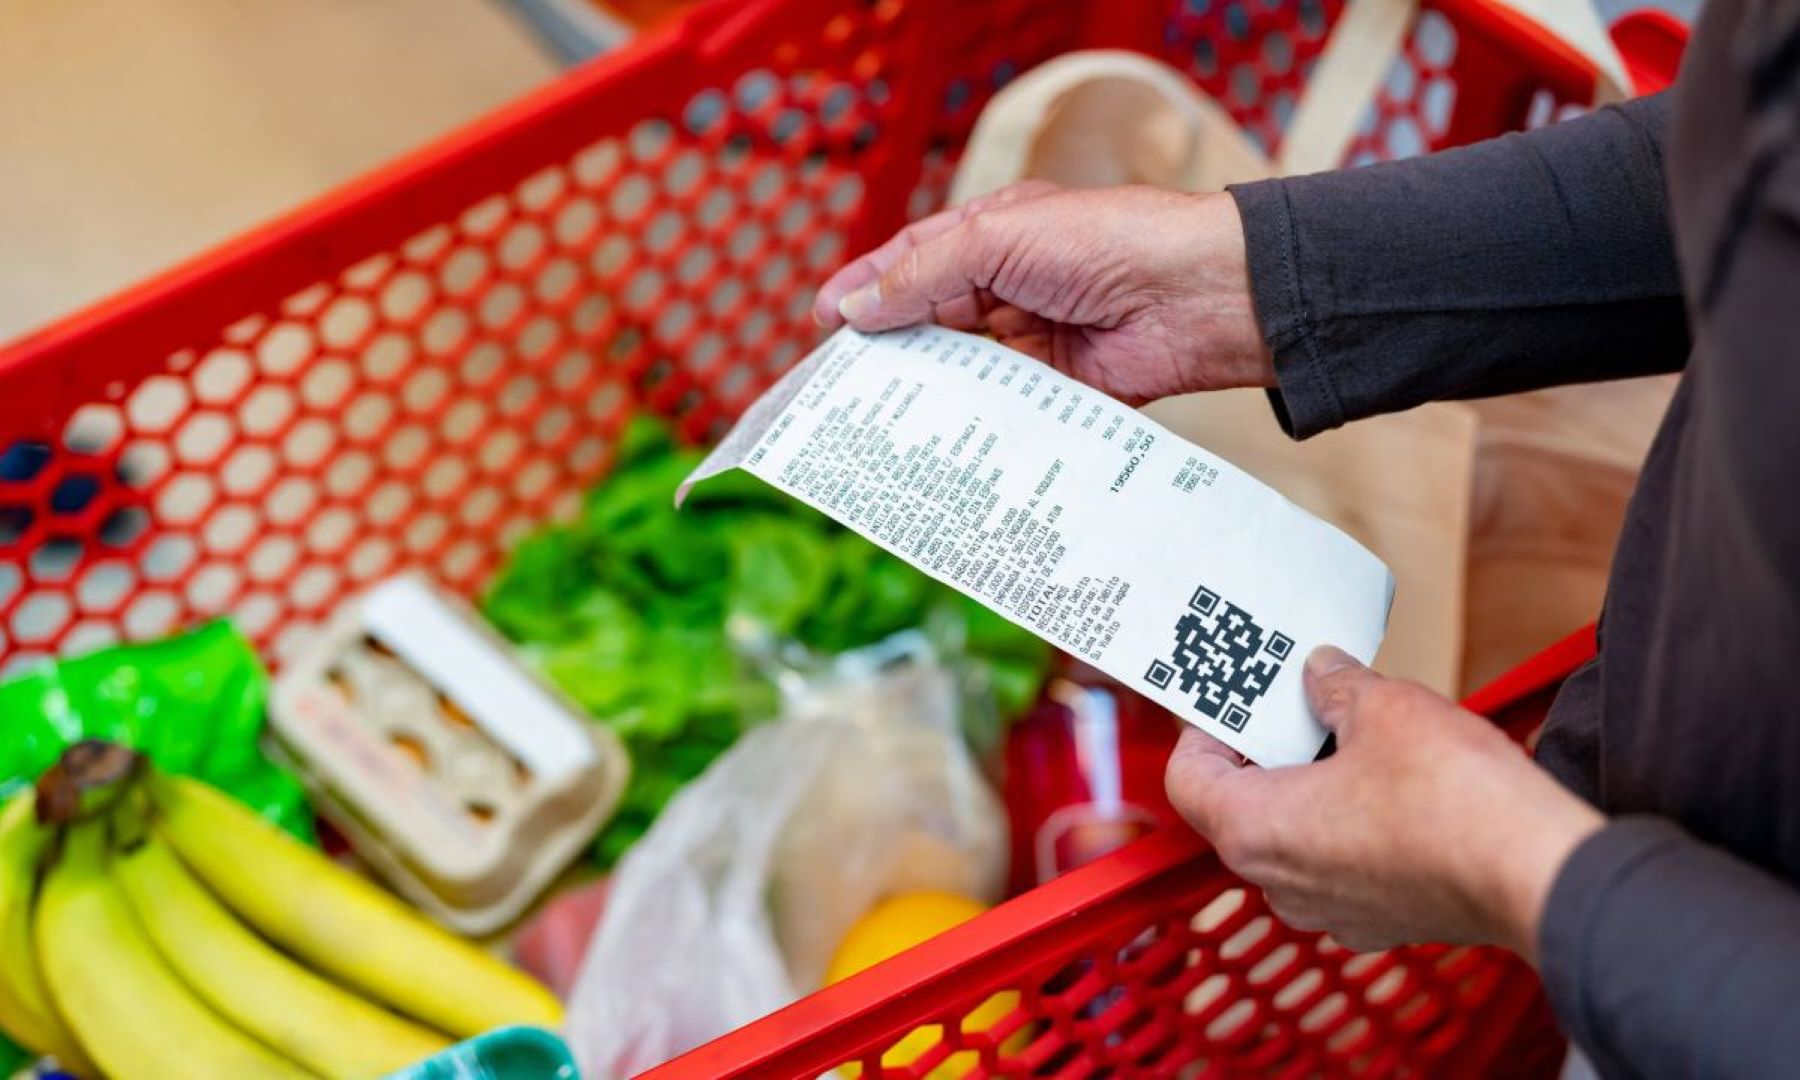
[
  {"x": 193, "y": 702},
  {"x": 735, "y": 901},
  {"x": 457, "y": 772},
  {"x": 1084, "y": 774},
  {"x": 160, "y": 928},
  {"x": 890, "y": 928},
  {"x": 1075, "y": 517},
  {"x": 511, "y": 1053},
  {"x": 28, "y": 1017},
  {"x": 638, "y": 612},
  {"x": 551, "y": 943}
]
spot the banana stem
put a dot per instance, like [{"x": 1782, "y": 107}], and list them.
[{"x": 88, "y": 782}]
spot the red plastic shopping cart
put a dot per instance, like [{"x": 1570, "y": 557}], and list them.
[{"x": 417, "y": 368}]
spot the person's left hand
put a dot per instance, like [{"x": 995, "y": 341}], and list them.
[{"x": 1428, "y": 824}]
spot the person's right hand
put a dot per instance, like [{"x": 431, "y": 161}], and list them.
[{"x": 1141, "y": 292}]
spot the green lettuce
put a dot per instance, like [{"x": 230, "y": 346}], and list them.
[{"x": 627, "y": 609}]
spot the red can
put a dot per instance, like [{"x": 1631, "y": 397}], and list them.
[{"x": 1084, "y": 773}]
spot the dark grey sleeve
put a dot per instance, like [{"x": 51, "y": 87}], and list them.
[
  {"x": 1666, "y": 957},
  {"x": 1526, "y": 261}
]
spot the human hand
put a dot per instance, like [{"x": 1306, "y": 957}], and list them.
[
  {"x": 1141, "y": 292},
  {"x": 1427, "y": 824}
]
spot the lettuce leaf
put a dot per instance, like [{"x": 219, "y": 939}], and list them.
[{"x": 627, "y": 607}]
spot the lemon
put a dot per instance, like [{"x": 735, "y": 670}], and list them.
[{"x": 893, "y": 926}]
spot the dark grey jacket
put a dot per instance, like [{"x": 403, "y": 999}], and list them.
[{"x": 1658, "y": 236}]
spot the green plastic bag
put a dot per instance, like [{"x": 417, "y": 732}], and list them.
[
  {"x": 13, "y": 1057},
  {"x": 193, "y": 703}
]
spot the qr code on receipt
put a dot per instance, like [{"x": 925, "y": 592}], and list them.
[{"x": 1222, "y": 657}]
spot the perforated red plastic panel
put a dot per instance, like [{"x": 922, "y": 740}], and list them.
[
  {"x": 1252, "y": 58},
  {"x": 437, "y": 395},
  {"x": 1220, "y": 992},
  {"x": 417, "y": 369}
]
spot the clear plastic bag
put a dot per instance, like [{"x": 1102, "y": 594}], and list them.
[{"x": 733, "y": 903}]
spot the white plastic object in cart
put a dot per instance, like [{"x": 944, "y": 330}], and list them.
[{"x": 457, "y": 773}]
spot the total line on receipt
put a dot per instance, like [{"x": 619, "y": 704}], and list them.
[{"x": 1076, "y": 517}]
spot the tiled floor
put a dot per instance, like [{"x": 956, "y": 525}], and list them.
[{"x": 136, "y": 132}]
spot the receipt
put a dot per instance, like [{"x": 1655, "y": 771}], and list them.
[{"x": 1076, "y": 517}]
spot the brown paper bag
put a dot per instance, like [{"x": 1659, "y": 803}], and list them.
[
  {"x": 1398, "y": 484},
  {"x": 1101, "y": 118},
  {"x": 1553, "y": 472}
]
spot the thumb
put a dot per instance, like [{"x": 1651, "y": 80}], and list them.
[
  {"x": 1335, "y": 685},
  {"x": 1200, "y": 772},
  {"x": 953, "y": 265}
]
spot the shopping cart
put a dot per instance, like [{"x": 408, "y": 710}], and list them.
[{"x": 416, "y": 369}]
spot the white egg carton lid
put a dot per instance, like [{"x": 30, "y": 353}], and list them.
[{"x": 459, "y": 774}]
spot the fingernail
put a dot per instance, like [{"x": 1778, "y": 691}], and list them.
[
  {"x": 1328, "y": 658},
  {"x": 860, "y": 304}
]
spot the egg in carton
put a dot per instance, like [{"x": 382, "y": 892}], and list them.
[{"x": 455, "y": 771}]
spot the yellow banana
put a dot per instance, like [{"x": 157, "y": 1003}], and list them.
[
  {"x": 26, "y": 1013},
  {"x": 130, "y": 1011},
  {"x": 341, "y": 923},
  {"x": 314, "y": 1021}
]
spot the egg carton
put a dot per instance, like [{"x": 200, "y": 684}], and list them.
[{"x": 454, "y": 770}]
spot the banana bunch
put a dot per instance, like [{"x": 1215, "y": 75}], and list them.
[{"x": 153, "y": 927}]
